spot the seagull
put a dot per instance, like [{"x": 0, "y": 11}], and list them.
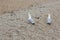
[
  {"x": 30, "y": 19},
  {"x": 49, "y": 20}
]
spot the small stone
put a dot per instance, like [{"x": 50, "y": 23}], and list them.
[{"x": 37, "y": 17}]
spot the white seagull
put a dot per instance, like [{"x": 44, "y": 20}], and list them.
[
  {"x": 49, "y": 20},
  {"x": 30, "y": 19}
]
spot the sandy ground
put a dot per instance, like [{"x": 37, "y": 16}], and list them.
[
  {"x": 14, "y": 24},
  {"x": 13, "y": 5}
]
